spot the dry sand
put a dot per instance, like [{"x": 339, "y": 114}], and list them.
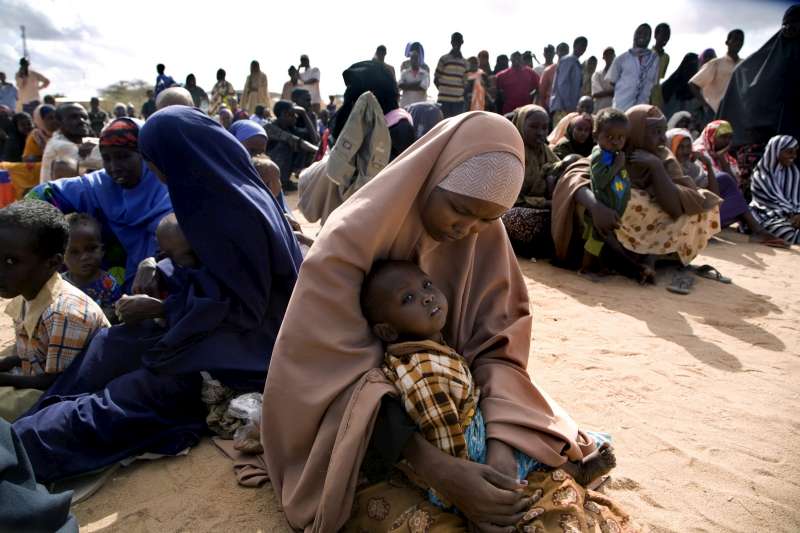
[{"x": 700, "y": 393}]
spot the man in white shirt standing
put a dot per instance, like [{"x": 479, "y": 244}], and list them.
[
  {"x": 634, "y": 72},
  {"x": 711, "y": 82},
  {"x": 414, "y": 82},
  {"x": 310, "y": 78}
]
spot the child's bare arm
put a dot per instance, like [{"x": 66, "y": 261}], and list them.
[
  {"x": 139, "y": 307},
  {"x": 41, "y": 382}
]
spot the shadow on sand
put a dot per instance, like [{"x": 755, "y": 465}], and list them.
[{"x": 666, "y": 314}]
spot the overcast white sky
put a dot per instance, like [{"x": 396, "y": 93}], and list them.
[{"x": 83, "y": 45}]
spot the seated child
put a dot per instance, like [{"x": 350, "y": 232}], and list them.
[
  {"x": 611, "y": 186},
  {"x": 407, "y": 311},
  {"x": 53, "y": 320},
  {"x": 610, "y": 182},
  {"x": 173, "y": 246},
  {"x": 83, "y": 257},
  {"x": 271, "y": 176}
]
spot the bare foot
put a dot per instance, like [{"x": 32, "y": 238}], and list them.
[{"x": 596, "y": 464}]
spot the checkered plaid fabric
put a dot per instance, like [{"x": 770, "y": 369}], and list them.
[
  {"x": 436, "y": 389},
  {"x": 63, "y": 331}
]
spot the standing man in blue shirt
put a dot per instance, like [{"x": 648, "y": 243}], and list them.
[
  {"x": 8, "y": 93},
  {"x": 162, "y": 80}
]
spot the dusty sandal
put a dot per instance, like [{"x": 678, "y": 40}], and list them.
[
  {"x": 709, "y": 272},
  {"x": 682, "y": 283}
]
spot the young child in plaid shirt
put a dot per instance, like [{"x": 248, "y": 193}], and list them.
[
  {"x": 53, "y": 320},
  {"x": 408, "y": 312}
]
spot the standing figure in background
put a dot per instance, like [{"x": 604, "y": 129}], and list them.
[
  {"x": 568, "y": 81},
  {"x": 162, "y": 80},
  {"x": 549, "y": 54},
  {"x": 414, "y": 82},
  {"x": 256, "y": 90},
  {"x": 450, "y": 76},
  {"x": 199, "y": 96},
  {"x": 516, "y": 85},
  {"x": 220, "y": 93},
  {"x": 97, "y": 117},
  {"x": 289, "y": 86},
  {"x": 149, "y": 106},
  {"x": 677, "y": 92},
  {"x": 310, "y": 77},
  {"x": 29, "y": 83},
  {"x": 711, "y": 81},
  {"x": 8, "y": 93},
  {"x": 662, "y": 33},
  {"x": 602, "y": 89},
  {"x": 380, "y": 57},
  {"x": 589, "y": 68},
  {"x": 634, "y": 72},
  {"x": 415, "y": 47},
  {"x": 546, "y": 83}
]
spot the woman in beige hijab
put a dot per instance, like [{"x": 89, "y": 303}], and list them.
[{"x": 325, "y": 389}]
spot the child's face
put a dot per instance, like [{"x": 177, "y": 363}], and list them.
[
  {"x": 684, "y": 151},
  {"x": 613, "y": 136},
  {"x": 448, "y": 216},
  {"x": 84, "y": 251},
  {"x": 174, "y": 245},
  {"x": 22, "y": 270},
  {"x": 408, "y": 303}
]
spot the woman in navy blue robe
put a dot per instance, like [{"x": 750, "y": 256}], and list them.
[{"x": 136, "y": 389}]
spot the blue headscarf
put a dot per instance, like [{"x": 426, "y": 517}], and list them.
[
  {"x": 247, "y": 129},
  {"x": 131, "y": 215},
  {"x": 231, "y": 307}
]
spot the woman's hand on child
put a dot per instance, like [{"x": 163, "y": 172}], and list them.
[
  {"x": 491, "y": 500},
  {"x": 604, "y": 219},
  {"x": 133, "y": 309},
  {"x": 643, "y": 157}
]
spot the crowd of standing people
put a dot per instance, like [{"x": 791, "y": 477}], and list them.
[{"x": 149, "y": 262}]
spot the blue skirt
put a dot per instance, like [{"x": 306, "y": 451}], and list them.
[
  {"x": 107, "y": 406},
  {"x": 475, "y": 437}
]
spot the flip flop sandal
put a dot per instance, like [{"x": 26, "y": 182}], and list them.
[
  {"x": 709, "y": 272},
  {"x": 682, "y": 283}
]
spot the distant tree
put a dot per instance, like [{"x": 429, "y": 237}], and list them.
[{"x": 125, "y": 91}]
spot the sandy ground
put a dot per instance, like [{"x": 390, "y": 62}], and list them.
[{"x": 700, "y": 392}]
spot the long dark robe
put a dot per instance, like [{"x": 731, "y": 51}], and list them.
[
  {"x": 137, "y": 388},
  {"x": 762, "y": 97}
]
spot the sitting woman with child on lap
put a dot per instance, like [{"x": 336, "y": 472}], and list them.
[
  {"x": 136, "y": 388},
  {"x": 348, "y": 456},
  {"x": 667, "y": 214}
]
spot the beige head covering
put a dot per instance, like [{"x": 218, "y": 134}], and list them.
[
  {"x": 494, "y": 176},
  {"x": 324, "y": 386},
  {"x": 692, "y": 199}
]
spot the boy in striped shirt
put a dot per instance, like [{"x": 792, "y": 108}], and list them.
[{"x": 450, "y": 78}]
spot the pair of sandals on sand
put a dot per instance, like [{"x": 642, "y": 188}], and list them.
[{"x": 683, "y": 280}]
